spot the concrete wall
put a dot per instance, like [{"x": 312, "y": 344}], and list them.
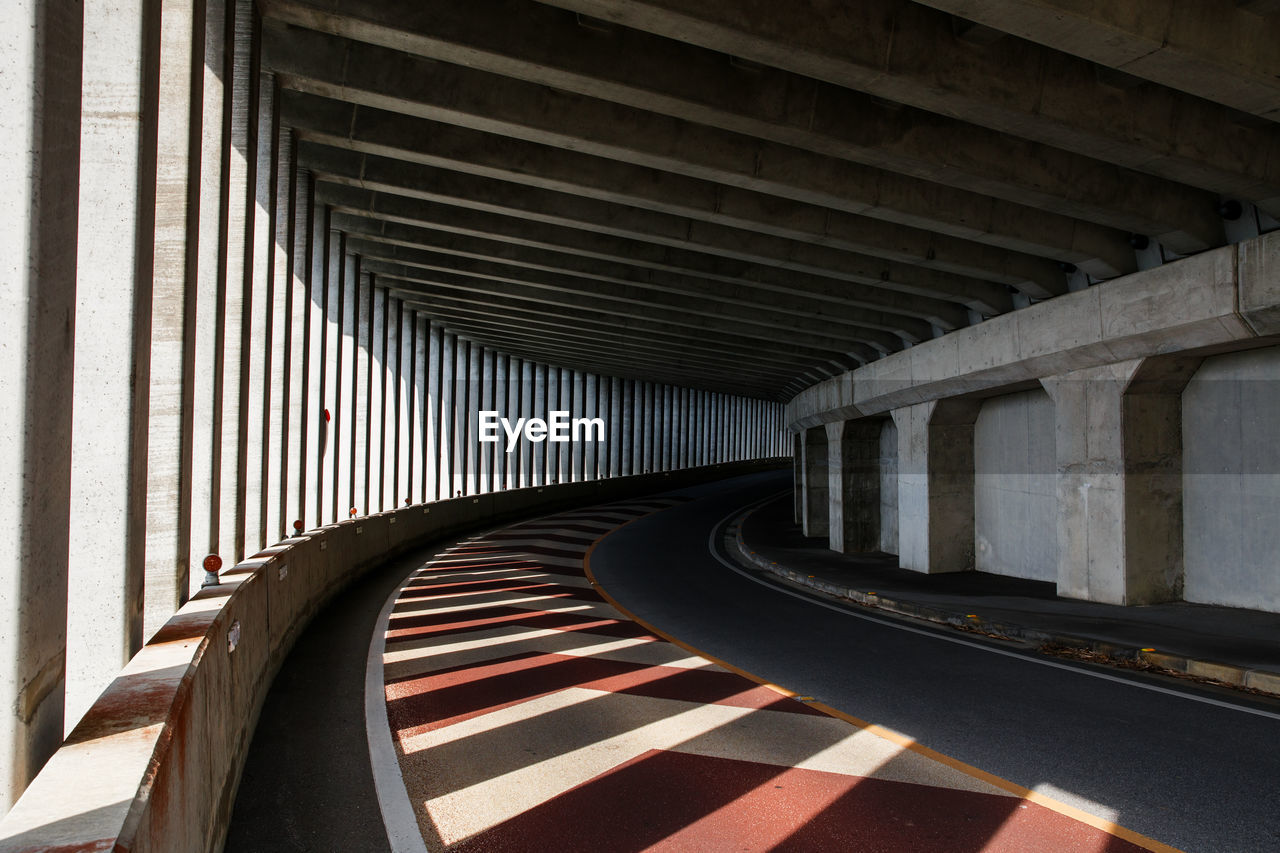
[
  {"x": 1015, "y": 489},
  {"x": 889, "y": 487},
  {"x": 1231, "y": 480},
  {"x": 154, "y": 764}
]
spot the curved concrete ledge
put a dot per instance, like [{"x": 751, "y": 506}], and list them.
[
  {"x": 155, "y": 763},
  {"x": 1219, "y": 300}
]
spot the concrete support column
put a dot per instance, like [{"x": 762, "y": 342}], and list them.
[
  {"x": 471, "y": 417},
  {"x": 815, "y": 504},
  {"x": 257, "y": 323},
  {"x": 797, "y": 475},
  {"x": 591, "y": 409},
  {"x": 40, "y": 54},
  {"x": 447, "y": 377},
  {"x": 375, "y": 425},
  {"x": 211, "y": 270},
  {"x": 402, "y": 399},
  {"x": 313, "y": 423},
  {"x": 417, "y": 454},
  {"x": 616, "y": 426},
  {"x": 173, "y": 318},
  {"x": 538, "y": 451},
  {"x": 488, "y": 452},
  {"x": 112, "y": 323},
  {"x": 510, "y": 375},
  {"x": 525, "y": 410},
  {"x": 668, "y": 428},
  {"x": 362, "y": 350},
  {"x": 1119, "y": 450},
  {"x": 296, "y": 404},
  {"x": 348, "y": 405},
  {"x": 577, "y": 409},
  {"x": 434, "y": 448},
  {"x": 236, "y": 294},
  {"x": 329, "y": 451},
  {"x": 853, "y": 465},
  {"x": 935, "y": 485}
]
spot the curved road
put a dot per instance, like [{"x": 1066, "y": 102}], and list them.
[
  {"x": 1200, "y": 775},
  {"x": 508, "y": 707}
]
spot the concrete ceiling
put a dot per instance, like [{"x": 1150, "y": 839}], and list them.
[{"x": 751, "y": 196}]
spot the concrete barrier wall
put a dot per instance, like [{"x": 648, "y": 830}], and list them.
[
  {"x": 154, "y": 765},
  {"x": 1015, "y": 488},
  {"x": 1231, "y": 480}
]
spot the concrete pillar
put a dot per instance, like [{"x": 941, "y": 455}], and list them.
[
  {"x": 420, "y": 461},
  {"x": 488, "y": 385},
  {"x": 567, "y": 394},
  {"x": 435, "y": 467},
  {"x": 935, "y": 485},
  {"x": 355, "y": 356},
  {"x": 813, "y": 468},
  {"x": 376, "y": 417},
  {"x": 211, "y": 259},
  {"x": 538, "y": 450},
  {"x": 1119, "y": 449},
  {"x": 447, "y": 416},
  {"x": 525, "y": 410},
  {"x": 797, "y": 475},
  {"x": 577, "y": 409},
  {"x": 257, "y": 324},
  {"x": 591, "y": 409},
  {"x": 668, "y": 428},
  {"x": 510, "y": 387},
  {"x": 363, "y": 351},
  {"x": 402, "y": 387},
  {"x": 330, "y": 363},
  {"x": 392, "y": 435},
  {"x": 649, "y": 429},
  {"x": 470, "y": 417},
  {"x": 235, "y": 296},
  {"x": 853, "y": 466},
  {"x": 173, "y": 318},
  {"x": 40, "y": 50},
  {"x": 112, "y": 348},
  {"x": 296, "y": 403}
]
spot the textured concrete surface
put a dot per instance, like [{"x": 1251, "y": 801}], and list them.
[
  {"x": 1231, "y": 476},
  {"x": 1015, "y": 487}
]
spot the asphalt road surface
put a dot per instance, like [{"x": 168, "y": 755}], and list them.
[
  {"x": 1195, "y": 768},
  {"x": 508, "y": 678}
]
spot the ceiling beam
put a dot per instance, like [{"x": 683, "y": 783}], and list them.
[
  {"x": 552, "y": 133},
  {"x": 685, "y": 81}
]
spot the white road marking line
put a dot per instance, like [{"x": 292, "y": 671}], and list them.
[{"x": 717, "y": 533}]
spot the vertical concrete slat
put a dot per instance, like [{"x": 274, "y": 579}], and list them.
[
  {"x": 485, "y": 402},
  {"x": 538, "y": 403},
  {"x": 353, "y": 334},
  {"x": 215, "y": 159},
  {"x": 362, "y": 349},
  {"x": 237, "y": 289},
  {"x": 458, "y": 423},
  {"x": 40, "y": 55},
  {"x": 115, "y": 250},
  {"x": 258, "y": 325},
  {"x": 446, "y": 417},
  {"x": 419, "y": 455},
  {"x": 173, "y": 319},
  {"x": 527, "y": 369},
  {"x": 298, "y": 436}
]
